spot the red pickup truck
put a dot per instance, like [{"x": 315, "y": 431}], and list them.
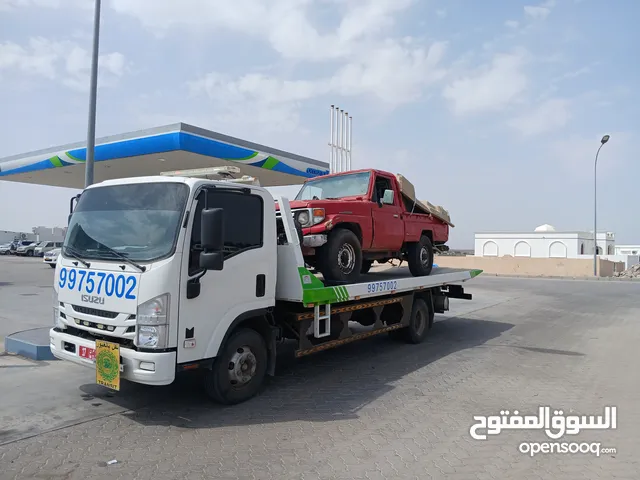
[{"x": 351, "y": 219}]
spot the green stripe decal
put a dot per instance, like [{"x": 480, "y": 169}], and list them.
[
  {"x": 253, "y": 155},
  {"x": 73, "y": 158},
  {"x": 270, "y": 162},
  {"x": 475, "y": 273},
  {"x": 56, "y": 162}
]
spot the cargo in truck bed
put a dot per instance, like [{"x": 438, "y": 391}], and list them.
[{"x": 414, "y": 205}]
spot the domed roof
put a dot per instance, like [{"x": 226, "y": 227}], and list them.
[{"x": 545, "y": 228}]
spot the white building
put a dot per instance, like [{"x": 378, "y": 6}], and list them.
[{"x": 543, "y": 242}]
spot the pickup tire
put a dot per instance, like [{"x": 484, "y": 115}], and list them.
[
  {"x": 420, "y": 257},
  {"x": 239, "y": 371},
  {"x": 341, "y": 257}
]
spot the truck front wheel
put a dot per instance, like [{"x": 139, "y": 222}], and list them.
[
  {"x": 420, "y": 257},
  {"x": 419, "y": 324},
  {"x": 240, "y": 369},
  {"x": 341, "y": 257}
]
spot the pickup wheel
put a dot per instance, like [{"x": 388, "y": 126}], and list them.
[
  {"x": 420, "y": 257},
  {"x": 341, "y": 257},
  {"x": 366, "y": 266},
  {"x": 240, "y": 369}
]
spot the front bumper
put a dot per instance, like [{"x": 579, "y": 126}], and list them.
[
  {"x": 314, "y": 241},
  {"x": 164, "y": 363}
]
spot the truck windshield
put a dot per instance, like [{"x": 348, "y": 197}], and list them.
[
  {"x": 140, "y": 221},
  {"x": 349, "y": 185}
]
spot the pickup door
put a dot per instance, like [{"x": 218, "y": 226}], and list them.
[{"x": 388, "y": 225}]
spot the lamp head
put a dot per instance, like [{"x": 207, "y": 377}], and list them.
[{"x": 605, "y": 139}]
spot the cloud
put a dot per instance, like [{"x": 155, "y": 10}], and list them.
[
  {"x": 549, "y": 116},
  {"x": 539, "y": 11},
  {"x": 491, "y": 87},
  {"x": 285, "y": 24},
  {"x": 7, "y": 5},
  {"x": 441, "y": 13},
  {"x": 63, "y": 61}
]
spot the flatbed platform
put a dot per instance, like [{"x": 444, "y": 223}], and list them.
[{"x": 381, "y": 280}]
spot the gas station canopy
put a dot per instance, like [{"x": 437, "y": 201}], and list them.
[{"x": 150, "y": 152}]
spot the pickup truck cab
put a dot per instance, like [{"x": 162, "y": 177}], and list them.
[{"x": 351, "y": 219}]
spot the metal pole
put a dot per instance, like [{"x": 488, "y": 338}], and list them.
[
  {"x": 93, "y": 93},
  {"x": 595, "y": 214},
  {"x": 331, "y": 163},
  {"x": 350, "y": 138},
  {"x": 340, "y": 143},
  {"x": 345, "y": 141}
]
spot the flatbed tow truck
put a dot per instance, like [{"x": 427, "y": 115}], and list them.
[{"x": 193, "y": 271}]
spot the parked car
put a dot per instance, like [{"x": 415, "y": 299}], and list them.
[
  {"x": 27, "y": 250},
  {"x": 44, "y": 247},
  {"x": 51, "y": 257},
  {"x": 5, "y": 249}
]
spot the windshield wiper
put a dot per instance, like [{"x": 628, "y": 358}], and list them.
[
  {"x": 68, "y": 251},
  {"x": 121, "y": 256}
]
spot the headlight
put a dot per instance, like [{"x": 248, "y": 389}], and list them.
[
  {"x": 310, "y": 217},
  {"x": 152, "y": 319},
  {"x": 303, "y": 218}
]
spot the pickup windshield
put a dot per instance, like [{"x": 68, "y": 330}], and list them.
[
  {"x": 139, "y": 221},
  {"x": 349, "y": 185}
]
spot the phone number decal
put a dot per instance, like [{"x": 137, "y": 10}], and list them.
[
  {"x": 376, "y": 287},
  {"x": 99, "y": 283}
]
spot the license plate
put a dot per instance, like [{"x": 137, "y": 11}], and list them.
[
  {"x": 88, "y": 353},
  {"x": 107, "y": 355}
]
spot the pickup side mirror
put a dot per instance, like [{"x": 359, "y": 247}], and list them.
[
  {"x": 388, "y": 197},
  {"x": 212, "y": 239}
]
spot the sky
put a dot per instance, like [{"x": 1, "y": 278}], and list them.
[{"x": 492, "y": 109}]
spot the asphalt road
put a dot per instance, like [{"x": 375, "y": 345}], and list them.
[
  {"x": 373, "y": 409},
  {"x": 26, "y": 288}
]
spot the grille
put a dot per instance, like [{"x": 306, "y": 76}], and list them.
[{"x": 95, "y": 312}]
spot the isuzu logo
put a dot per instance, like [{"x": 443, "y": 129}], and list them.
[{"x": 92, "y": 299}]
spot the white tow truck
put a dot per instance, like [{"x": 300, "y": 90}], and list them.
[{"x": 169, "y": 273}]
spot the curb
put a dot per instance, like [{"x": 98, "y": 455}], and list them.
[{"x": 33, "y": 344}]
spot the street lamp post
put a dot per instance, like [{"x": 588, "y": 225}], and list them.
[
  {"x": 93, "y": 93},
  {"x": 604, "y": 140}
]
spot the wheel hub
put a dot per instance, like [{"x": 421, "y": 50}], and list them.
[
  {"x": 419, "y": 323},
  {"x": 346, "y": 258},
  {"x": 424, "y": 256},
  {"x": 242, "y": 366}
]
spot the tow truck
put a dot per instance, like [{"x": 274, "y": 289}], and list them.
[{"x": 193, "y": 270}]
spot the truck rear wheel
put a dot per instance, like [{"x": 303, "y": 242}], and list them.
[
  {"x": 341, "y": 257},
  {"x": 416, "y": 331},
  {"x": 239, "y": 371},
  {"x": 420, "y": 257}
]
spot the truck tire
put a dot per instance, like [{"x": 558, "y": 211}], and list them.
[
  {"x": 420, "y": 258},
  {"x": 239, "y": 371},
  {"x": 366, "y": 266},
  {"x": 416, "y": 331},
  {"x": 341, "y": 257}
]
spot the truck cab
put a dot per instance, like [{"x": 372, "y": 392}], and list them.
[{"x": 134, "y": 270}]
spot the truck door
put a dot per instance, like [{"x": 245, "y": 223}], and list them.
[
  {"x": 388, "y": 225},
  {"x": 246, "y": 283}
]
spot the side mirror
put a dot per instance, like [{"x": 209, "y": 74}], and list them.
[
  {"x": 212, "y": 239},
  {"x": 388, "y": 197}
]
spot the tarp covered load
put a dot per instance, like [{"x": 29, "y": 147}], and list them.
[{"x": 420, "y": 206}]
